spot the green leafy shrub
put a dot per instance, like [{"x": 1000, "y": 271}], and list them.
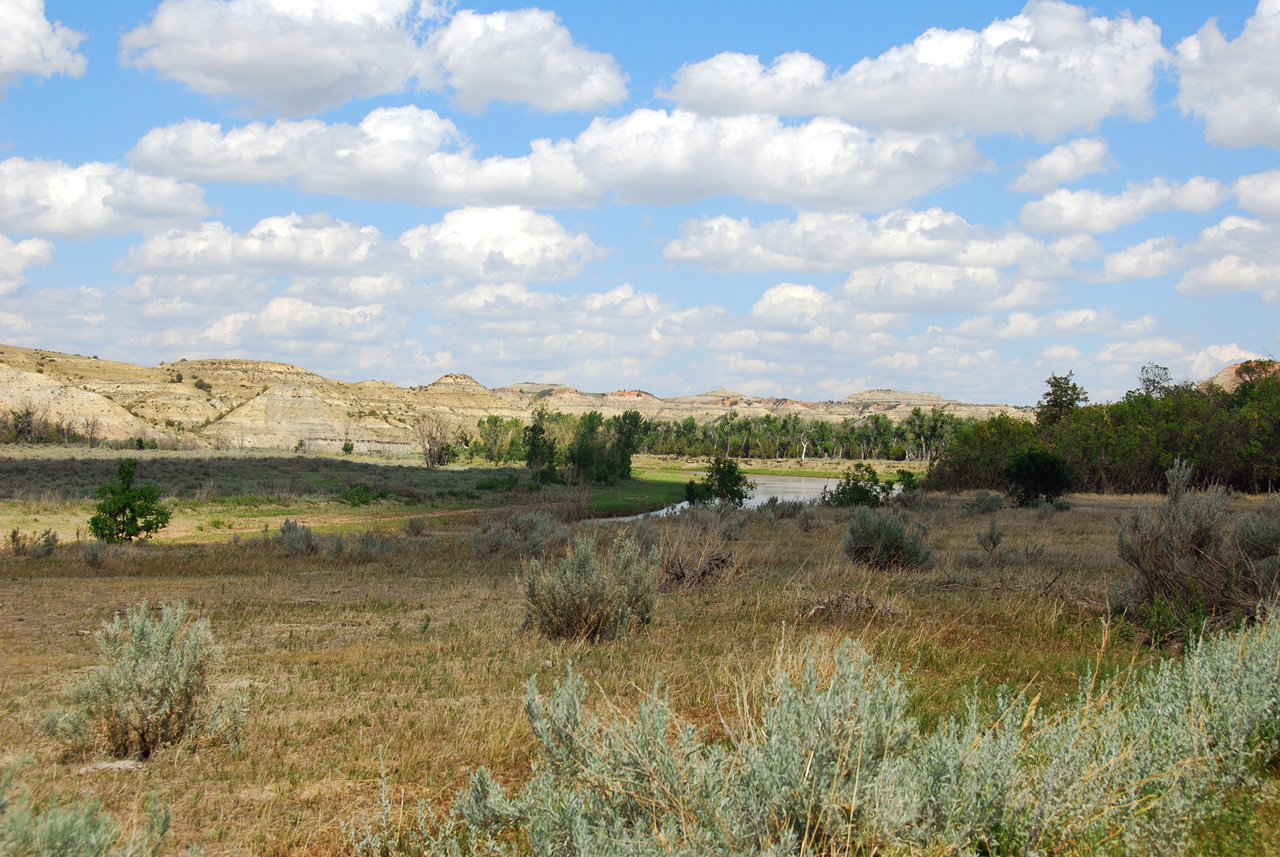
[
  {"x": 498, "y": 483},
  {"x": 882, "y": 540},
  {"x": 151, "y": 690},
  {"x": 588, "y": 597},
  {"x": 724, "y": 482},
  {"x": 348, "y": 447},
  {"x": 125, "y": 512},
  {"x": 359, "y": 494},
  {"x": 859, "y": 486},
  {"x": 81, "y": 829},
  {"x": 1037, "y": 475}
]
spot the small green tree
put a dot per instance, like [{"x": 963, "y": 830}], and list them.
[
  {"x": 126, "y": 513},
  {"x": 724, "y": 481},
  {"x": 1062, "y": 397}
]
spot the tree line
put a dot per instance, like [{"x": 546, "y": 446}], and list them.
[
  {"x": 922, "y": 436},
  {"x": 1229, "y": 438}
]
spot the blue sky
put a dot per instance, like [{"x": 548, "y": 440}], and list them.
[{"x": 960, "y": 198}]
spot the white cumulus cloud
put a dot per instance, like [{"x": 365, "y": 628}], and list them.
[
  {"x": 17, "y": 256},
  {"x": 1260, "y": 193},
  {"x": 1065, "y": 163},
  {"x": 413, "y": 155},
  {"x": 1046, "y": 71},
  {"x": 474, "y": 244},
  {"x": 1093, "y": 212},
  {"x": 526, "y": 55},
  {"x": 831, "y": 241},
  {"x": 303, "y": 56},
  {"x": 52, "y": 198},
  {"x": 1154, "y": 257},
  {"x": 917, "y": 287},
  {"x": 1240, "y": 254},
  {"x": 288, "y": 244},
  {"x": 1234, "y": 86},
  {"x": 30, "y": 44},
  {"x": 507, "y": 243}
]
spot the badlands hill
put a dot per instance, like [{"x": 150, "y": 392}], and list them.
[{"x": 252, "y": 403}]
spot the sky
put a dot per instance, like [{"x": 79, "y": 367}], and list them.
[{"x": 802, "y": 200}]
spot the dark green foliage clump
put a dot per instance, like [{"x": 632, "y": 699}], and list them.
[
  {"x": 498, "y": 483},
  {"x": 882, "y": 539},
  {"x": 360, "y": 494},
  {"x": 1230, "y": 438},
  {"x": 859, "y": 486},
  {"x": 1037, "y": 474},
  {"x": 724, "y": 483},
  {"x": 126, "y": 513}
]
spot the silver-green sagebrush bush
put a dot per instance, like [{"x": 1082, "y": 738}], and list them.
[
  {"x": 882, "y": 539},
  {"x": 151, "y": 689},
  {"x": 836, "y": 766},
  {"x": 596, "y": 598},
  {"x": 1192, "y": 566},
  {"x": 80, "y": 829}
]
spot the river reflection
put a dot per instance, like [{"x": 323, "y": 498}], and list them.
[{"x": 783, "y": 487}]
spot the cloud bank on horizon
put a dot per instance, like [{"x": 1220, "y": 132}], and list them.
[{"x": 931, "y": 197}]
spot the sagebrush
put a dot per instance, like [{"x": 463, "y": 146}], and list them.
[
  {"x": 151, "y": 689},
  {"x": 589, "y": 596},
  {"x": 834, "y": 764}
]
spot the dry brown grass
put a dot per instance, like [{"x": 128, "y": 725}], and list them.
[{"x": 411, "y": 662}]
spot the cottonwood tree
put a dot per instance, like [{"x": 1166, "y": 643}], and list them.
[{"x": 434, "y": 435}]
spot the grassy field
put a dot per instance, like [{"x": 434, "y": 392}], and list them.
[{"x": 407, "y": 664}]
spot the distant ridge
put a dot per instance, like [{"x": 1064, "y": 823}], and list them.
[{"x": 267, "y": 405}]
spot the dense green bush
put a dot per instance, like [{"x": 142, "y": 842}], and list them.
[
  {"x": 859, "y": 486},
  {"x": 724, "y": 482},
  {"x": 590, "y": 597},
  {"x": 882, "y": 539},
  {"x": 125, "y": 513},
  {"x": 152, "y": 688},
  {"x": 1037, "y": 475}
]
